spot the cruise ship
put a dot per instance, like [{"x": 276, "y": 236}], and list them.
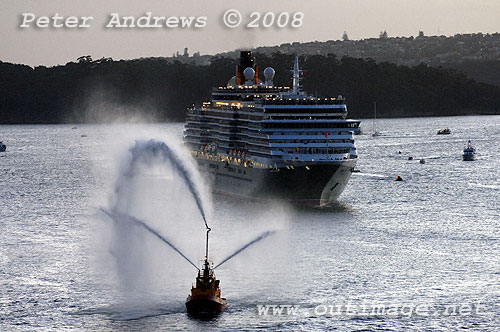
[{"x": 256, "y": 140}]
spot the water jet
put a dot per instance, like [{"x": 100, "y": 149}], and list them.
[{"x": 205, "y": 296}]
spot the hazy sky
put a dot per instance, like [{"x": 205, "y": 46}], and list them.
[{"x": 323, "y": 20}]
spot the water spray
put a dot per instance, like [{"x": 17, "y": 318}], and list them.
[
  {"x": 257, "y": 239},
  {"x": 154, "y": 148},
  {"x": 116, "y": 216},
  {"x": 205, "y": 297}
]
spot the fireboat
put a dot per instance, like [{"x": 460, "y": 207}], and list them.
[{"x": 205, "y": 299}]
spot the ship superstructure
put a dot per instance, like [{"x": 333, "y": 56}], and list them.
[{"x": 261, "y": 141}]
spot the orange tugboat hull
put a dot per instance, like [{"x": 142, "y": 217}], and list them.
[{"x": 205, "y": 306}]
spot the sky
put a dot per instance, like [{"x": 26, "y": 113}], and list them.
[{"x": 322, "y": 20}]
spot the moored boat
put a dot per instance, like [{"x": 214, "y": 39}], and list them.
[
  {"x": 3, "y": 147},
  {"x": 445, "y": 131},
  {"x": 375, "y": 133}
]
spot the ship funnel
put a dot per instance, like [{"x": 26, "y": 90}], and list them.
[{"x": 247, "y": 61}]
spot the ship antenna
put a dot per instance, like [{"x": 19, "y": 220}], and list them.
[{"x": 296, "y": 76}]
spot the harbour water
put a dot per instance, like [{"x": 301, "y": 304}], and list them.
[{"x": 426, "y": 250}]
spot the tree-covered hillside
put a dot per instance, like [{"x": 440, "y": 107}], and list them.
[{"x": 160, "y": 90}]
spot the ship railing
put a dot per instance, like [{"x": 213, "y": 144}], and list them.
[
  {"x": 250, "y": 89},
  {"x": 303, "y": 101},
  {"x": 318, "y": 157}
]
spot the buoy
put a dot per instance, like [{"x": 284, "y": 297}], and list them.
[
  {"x": 399, "y": 152},
  {"x": 398, "y": 178},
  {"x": 410, "y": 158}
]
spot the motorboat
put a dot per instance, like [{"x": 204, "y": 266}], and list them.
[
  {"x": 445, "y": 131},
  {"x": 469, "y": 152}
]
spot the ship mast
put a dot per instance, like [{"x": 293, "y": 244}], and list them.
[
  {"x": 296, "y": 76},
  {"x": 206, "y": 247},
  {"x": 206, "y": 266}
]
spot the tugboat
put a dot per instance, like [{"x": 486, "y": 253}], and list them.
[
  {"x": 205, "y": 299},
  {"x": 3, "y": 147},
  {"x": 469, "y": 152}
]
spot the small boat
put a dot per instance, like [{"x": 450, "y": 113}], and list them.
[
  {"x": 205, "y": 299},
  {"x": 422, "y": 161},
  {"x": 469, "y": 152},
  {"x": 445, "y": 131},
  {"x": 3, "y": 147},
  {"x": 358, "y": 132}
]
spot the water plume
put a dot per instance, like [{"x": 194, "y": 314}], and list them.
[
  {"x": 159, "y": 192},
  {"x": 144, "y": 151},
  {"x": 118, "y": 217},
  {"x": 156, "y": 192},
  {"x": 257, "y": 239}
]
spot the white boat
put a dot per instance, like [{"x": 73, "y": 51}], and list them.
[{"x": 469, "y": 152}]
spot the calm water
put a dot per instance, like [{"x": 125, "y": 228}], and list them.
[{"x": 431, "y": 241}]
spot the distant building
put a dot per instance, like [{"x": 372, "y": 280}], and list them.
[
  {"x": 345, "y": 37},
  {"x": 421, "y": 34},
  {"x": 383, "y": 34}
]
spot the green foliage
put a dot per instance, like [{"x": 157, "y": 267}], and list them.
[{"x": 160, "y": 89}]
